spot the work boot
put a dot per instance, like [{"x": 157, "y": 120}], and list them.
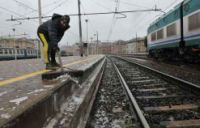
[
  {"x": 50, "y": 66},
  {"x": 55, "y": 64}
]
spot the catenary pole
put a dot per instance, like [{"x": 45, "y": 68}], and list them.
[
  {"x": 80, "y": 28},
  {"x": 40, "y": 22}
]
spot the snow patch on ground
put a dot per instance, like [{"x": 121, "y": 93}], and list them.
[
  {"x": 5, "y": 116},
  {"x": 140, "y": 59},
  {"x": 48, "y": 86},
  {"x": 18, "y": 100},
  {"x": 77, "y": 99},
  {"x": 3, "y": 93},
  {"x": 117, "y": 124},
  {"x": 51, "y": 123},
  {"x": 36, "y": 91}
]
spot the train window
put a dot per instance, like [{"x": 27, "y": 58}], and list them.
[
  {"x": 153, "y": 36},
  {"x": 160, "y": 34},
  {"x": 10, "y": 51},
  {"x": 1, "y": 51},
  {"x": 17, "y": 51},
  {"x": 194, "y": 22},
  {"x": 5, "y": 51},
  {"x": 171, "y": 30},
  {"x": 21, "y": 51}
]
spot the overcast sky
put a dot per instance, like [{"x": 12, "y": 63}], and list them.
[{"x": 109, "y": 27}]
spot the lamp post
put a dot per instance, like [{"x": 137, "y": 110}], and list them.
[
  {"x": 80, "y": 28},
  {"x": 97, "y": 42},
  {"x": 86, "y": 30},
  {"x": 14, "y": 43},
  {"x": 91, "y": 48}
]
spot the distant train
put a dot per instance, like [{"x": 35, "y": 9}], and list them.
[
  {"x": 177, "y": 33},
  {"x": 9, "y": 53}
]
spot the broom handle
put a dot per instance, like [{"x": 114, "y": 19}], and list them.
[{"x": 60, "y": 60}]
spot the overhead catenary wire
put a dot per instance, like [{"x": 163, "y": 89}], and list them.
[
  {"x": 85, "y": 14},
  {"x": 24, "y": 5},
  {"x": 114, "y": 20},
  {"x": 57, "y": 6},
  {"x": 135, "y": 5},
  {"x": 140, "y": 25},
  {"x": 107, "y": 8},
  {"x": 50, "y": 4},
  {"x": 90, "y": 23},
  {"x": 12, "y": 12},
  {"x": 132, "y": 4}
]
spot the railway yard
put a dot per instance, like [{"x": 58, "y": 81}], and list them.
[
  {"x": 130, "y": 64},
  {"x": 110, "y": 92}
]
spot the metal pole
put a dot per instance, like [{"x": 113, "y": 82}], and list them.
[
  {"x": 87, "y": 29},
  {"x": 182, "y": 42},
  {"x": 14, "y": 44},
  {"x": 97, "y": 43},
  {"x": 38, "y": 48},
  {"x": 136, "y": 40},
  {"x": 80, "y": 28},
  {"x": 40, "y": 22},
  {"x": 92, "y": 49},
  {"x": 40, "y": 12},
  {"x": 87, "y": 37}
]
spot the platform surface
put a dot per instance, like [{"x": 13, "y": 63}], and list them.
[{"x": 21, "y": 85}]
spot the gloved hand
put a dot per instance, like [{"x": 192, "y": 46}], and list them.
[
  {"x": 68, "y": 26},
  {"x": 56, "y": 48}
]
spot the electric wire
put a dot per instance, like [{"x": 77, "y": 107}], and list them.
[
  {"x": 97, "y": 13},
  {"x": 143, "y": 24},
  {"x": 132, "y": 4},
  {"x": 135, "y": 5},
  {"x": 59, "y": 5},
  {"x": 91, "y": 24},
  {"x": 107, "y": 8},
  {"x": 50, "y": 4},
  {"x": 114, "y": 20},
  {"x": 26, "y": 6}
]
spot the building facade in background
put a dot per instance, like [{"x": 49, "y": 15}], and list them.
[
  {"x": 133, "y": 46},
  {"x": 22, "y": 43}
]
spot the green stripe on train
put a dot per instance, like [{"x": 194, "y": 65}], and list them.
[{"x": 195, "y": 42}]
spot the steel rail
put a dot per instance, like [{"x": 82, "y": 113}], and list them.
[
  {"x": 165, "y": 75},
  {"x": 140, "y": 115}
]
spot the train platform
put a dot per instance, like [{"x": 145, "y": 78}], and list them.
[{"x": 28, "y": 101}]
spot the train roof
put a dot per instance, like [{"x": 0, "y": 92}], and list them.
[
  {"x": 166, "y": 14},
  {"x": 152, "y": 26}
]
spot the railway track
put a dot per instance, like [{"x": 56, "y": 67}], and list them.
[
  {"x": 159, "y": 100},
  {"x": 111, "y": 108}
]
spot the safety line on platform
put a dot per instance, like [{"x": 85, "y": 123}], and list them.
[{"x": 23, "y": 77}]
